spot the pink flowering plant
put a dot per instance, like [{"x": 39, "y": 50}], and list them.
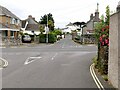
[{"x": 104, "y": 36}]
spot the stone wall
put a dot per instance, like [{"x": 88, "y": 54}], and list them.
[
  {"x": 119, "y": 50},
  {"x": 114, "y": 49}
]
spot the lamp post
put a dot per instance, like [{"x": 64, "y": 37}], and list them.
[{"x": 47, "y": 30}]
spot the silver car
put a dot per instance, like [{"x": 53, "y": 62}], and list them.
[{"x": 26, "y": 38}]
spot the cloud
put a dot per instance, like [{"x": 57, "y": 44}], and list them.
[{"x": 63, "y": 10}]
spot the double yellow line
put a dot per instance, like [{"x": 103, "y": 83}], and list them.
[{"x": 97, "y": 82}]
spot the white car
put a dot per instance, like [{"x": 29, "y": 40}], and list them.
[{"x": 26, "y": 38}]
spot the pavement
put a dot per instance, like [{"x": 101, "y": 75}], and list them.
[{"x": 64, "y": 64}]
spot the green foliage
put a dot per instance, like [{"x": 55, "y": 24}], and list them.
[
  {"x": 57, "y": 32},
  {"x": 51, "y": 22},
  {"x": 26, "y": 34},
  {"x": 41, "y": 28},
  {"x": 98, "y": 28},
  {"x": 21, "y": 33},
  {"x": 107, "y": 15},
  {"x": 51, "y": 25},
  {"x": 42, "y": 38},
  {"x": 102, "y": 36},
  {"x": 95, "y": 61},
  {"x": 51, "y": 38},
  {"x": 105, "y": 77}
]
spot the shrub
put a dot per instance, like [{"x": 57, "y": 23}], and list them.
[
  {"x": 57, "y": 32},
  {"x": 51, "y": 38},
  {"x": 42, "y": 38}
]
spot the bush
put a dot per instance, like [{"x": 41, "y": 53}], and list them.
[
  {"x": 42, "y": 38},
  {"x": 51, "y": 38},
  {"x": 57, "y": 32}
]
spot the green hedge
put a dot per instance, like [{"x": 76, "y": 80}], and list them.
[{"x": 51, "y": 38}]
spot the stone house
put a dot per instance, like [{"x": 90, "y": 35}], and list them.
[
  {"x": 10, "y": 24},
  {"x": 89, "y": 29}
]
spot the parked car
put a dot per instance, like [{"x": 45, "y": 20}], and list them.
[{"x": 26, "y": 39}]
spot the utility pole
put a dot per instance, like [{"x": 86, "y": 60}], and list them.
[{"x": 47, "y": 30}]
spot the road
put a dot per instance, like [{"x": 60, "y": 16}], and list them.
[{"x": 64, "y": 64}]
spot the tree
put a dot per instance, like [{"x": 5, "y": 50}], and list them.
[
  {"x": 58, "y": 32},
  {"x": 41, "y": 28},
  {"x": 80, "y": 24},
  {"x": 102, "y": 35},
  {"x": 107, "y": 15},
  {"x": 43, "y": 20},
  {"x": 51, "y": 25}
]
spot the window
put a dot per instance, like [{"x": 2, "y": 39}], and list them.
[{"x": 13, "y": 21}]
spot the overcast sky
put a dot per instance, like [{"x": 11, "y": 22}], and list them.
[{"x": 64, "y": 11}]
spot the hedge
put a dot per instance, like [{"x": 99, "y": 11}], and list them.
[{"x": 51, "y": 38}]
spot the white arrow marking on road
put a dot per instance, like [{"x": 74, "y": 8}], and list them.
[
  {"x": 32, "y": 59},
  {"x": 54, "y": 56}
]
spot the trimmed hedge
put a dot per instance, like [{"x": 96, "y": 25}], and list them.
[
  {"x": 51, "y": 38},
  {"x": 42, "y": 38}
]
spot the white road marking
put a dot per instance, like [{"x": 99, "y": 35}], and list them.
[
  {"x": 29, "y": 61},
  {"x": 54, "y": 56},
  {"x": 5, "y": 61},
  {"x": 94, "y": 77},
  {"x": 98, "y": 83},
  {"x": 2, "y": 47},
  {"x": 63, "y": 45}
]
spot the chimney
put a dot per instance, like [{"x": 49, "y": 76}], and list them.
[
  {"x": 118, "y": 7},
  {"x": 30, "y": 16},
  {"x": 91, "y": 16},
  {"x": 97, "y": 16},
  {"x": 33, "y": 18}
]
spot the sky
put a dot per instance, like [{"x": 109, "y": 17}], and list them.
[{"x": 63, "y": 11}]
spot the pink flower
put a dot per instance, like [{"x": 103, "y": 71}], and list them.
[
  {"x": 103, "y": 43},
  {"x": 100, "y": 39},
  {"x": 106, "y": 41},
  {"x": 107, "y": 27},
  {"x": 103, "y": 29},
  {"x": 103, "y": 35}
]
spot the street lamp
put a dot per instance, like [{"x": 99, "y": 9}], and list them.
[{"x": 47, "y": 30}]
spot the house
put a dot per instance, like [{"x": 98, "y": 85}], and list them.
[
  {"x": 70, "y": 27},
  {"x": 89, "y": 29},
  {"x": 10, "y": 24},
  {"x": 30, "y": 26}
]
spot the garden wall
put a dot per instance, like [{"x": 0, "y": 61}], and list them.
[{"x": 114, "y": 50}]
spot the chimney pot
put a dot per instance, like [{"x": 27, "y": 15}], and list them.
[
  {"x": 91, "y": 16},
  {"x": 30, "y": 16},
  {"x": 118, "y": 7}
]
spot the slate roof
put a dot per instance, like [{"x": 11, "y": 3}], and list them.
[
  {"x": 32, "y": 25},
  {"x": 6, "y": 12}
]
